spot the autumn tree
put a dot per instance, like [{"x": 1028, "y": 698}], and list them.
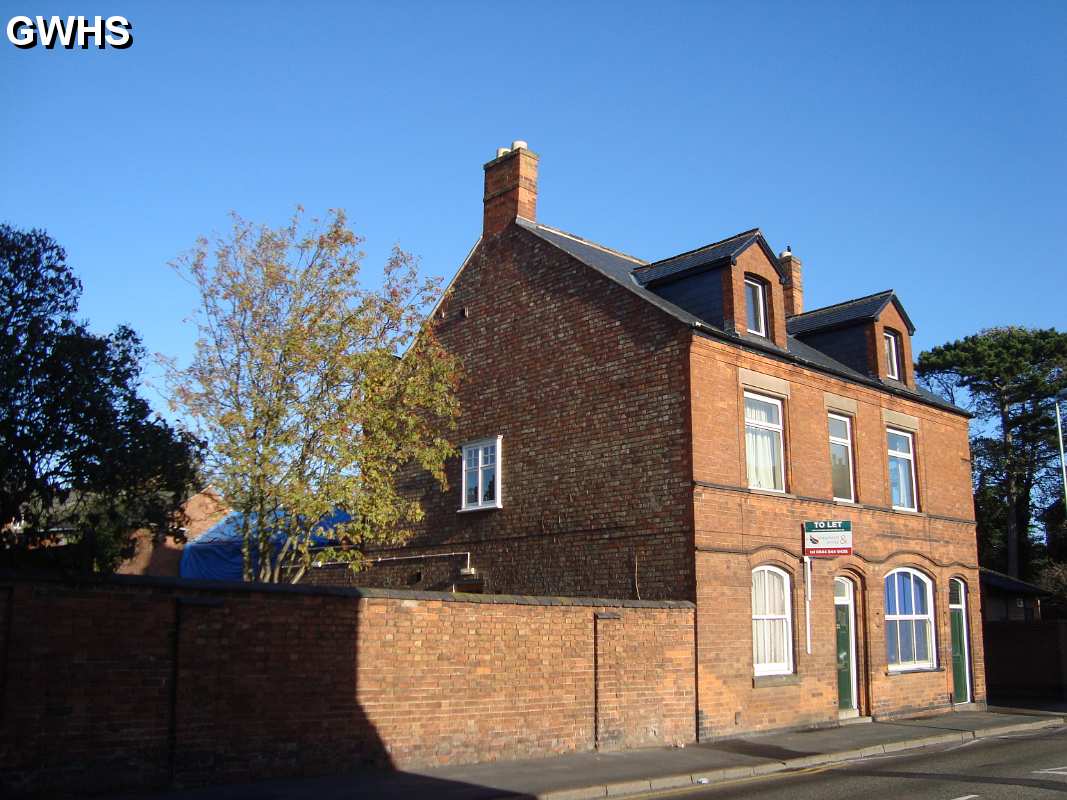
[
  {"x": 1007, "y": 377},
  {"x": 82, "y": 456},
  {"x": 314, "y": 392}
]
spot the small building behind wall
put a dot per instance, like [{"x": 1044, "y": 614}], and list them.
[
  {"x": 1008, "y": 599},
  {"x": 1025, "y": 653},
  {"x": 664, "y": 430}
]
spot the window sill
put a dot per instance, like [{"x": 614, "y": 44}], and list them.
[
  {"x": 916, "y": 512},
  {"x": 768, "y": 681},
  {"x": 892, "y": 672},
  {"x": 772, "y": 493},
  {"x": 478, "y": 508},
  {"x": 852, "y": 503}
]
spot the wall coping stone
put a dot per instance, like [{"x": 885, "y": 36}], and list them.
[{"x": 8, "y": 577}]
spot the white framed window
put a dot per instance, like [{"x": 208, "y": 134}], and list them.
[
  {"x": 772, "y": 622},
  {"x": 901, "y": 446},
  {"x": 755, "y": 307},
  {"x": 892, "y": 354},
  {"x": 909, "y": 620},
  {"x": 841, "y": 473},
  {"x": 481, "y": 474},
  {"x": 763, "y": 442}
]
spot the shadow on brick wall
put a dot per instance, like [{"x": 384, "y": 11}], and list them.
[
  {"x": 135, "y": 684},
  {"x": 132, "y": 684}
]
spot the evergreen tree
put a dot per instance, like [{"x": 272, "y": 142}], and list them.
[
  {"x": 82, "y": 456},
  {"x": 1007, "y": 377}
]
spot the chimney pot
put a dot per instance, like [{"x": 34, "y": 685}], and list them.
[
  {"x": 502, "y": 151},
  {"x": 519, "y": 144}
]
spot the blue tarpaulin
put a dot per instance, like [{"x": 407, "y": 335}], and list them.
[{"x": 215, "y": 555}]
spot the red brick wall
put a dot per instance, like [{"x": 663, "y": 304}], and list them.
[
  {"x": 737, "y": 529},
  {"x": 587, "y": 385},
  {"x": 891, "y": 320},
  {"x": 295, "y": 682},
  {"x": 753, "y": 262}
]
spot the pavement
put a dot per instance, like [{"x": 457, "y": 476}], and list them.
[{"x": 579, "y": 776}]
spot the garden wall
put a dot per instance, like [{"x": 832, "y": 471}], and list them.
[
  {"x": 1026, "y": 659},
  {"x": 144, "y": 682}
]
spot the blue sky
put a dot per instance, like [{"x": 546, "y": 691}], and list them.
[{"x": 904, "y": 145}]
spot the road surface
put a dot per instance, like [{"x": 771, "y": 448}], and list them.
[{"x": 1011, "y": 767}]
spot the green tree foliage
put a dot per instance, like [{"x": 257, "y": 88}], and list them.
[
  {"x": 1007, "y": 377},
  {"x": 81, "y": 452},
  {"x": 314, "y": 393}
]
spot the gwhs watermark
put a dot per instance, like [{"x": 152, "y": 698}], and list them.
[{"x": 27, "y": 32}]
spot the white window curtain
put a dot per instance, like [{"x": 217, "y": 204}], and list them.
[
  {"x": 763, "y": 442},
  {"x": 772, "y": 627},
  {"x": 909, "y": 620}
]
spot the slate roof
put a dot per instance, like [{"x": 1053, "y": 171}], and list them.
[
  {"x": 703, "y": 257},
  {"x": 617, "y": 266},
  {"x": 1006, "y": 583},
  {"x": 849, "y": 312},
  {"x": 623, "y": 269}
]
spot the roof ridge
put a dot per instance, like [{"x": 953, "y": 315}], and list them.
[
  {"x": 597, "y": 245},
  {"x": 844, "y": 303},
  {"x": 749, "y": 232}
]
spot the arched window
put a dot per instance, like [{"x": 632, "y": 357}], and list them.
[
  {"x": 772, "y": 622},
  {"x": 909, "y": 620}
]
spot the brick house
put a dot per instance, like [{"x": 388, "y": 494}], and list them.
[{"x": 663, "y": 430}]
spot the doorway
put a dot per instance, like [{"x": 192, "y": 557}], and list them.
[
  {"x": 845, "y": 616},
  {"x": 961, "y": 646}
]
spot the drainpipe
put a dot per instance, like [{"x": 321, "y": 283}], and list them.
[
  {"x": 467, "y": 571},
  {"x": 807, "y": 600}
]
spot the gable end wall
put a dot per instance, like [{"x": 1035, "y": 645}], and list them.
[{"x": 588, "y": 385}]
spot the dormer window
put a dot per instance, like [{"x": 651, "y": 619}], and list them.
[
  {"x": 892, "y": 355},
  {"x": 756, "y": 305}
]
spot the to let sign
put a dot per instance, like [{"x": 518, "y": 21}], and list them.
[{"x": 828, "y": 537}]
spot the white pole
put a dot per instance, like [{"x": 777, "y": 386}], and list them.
[{"x": 807, "y": 599}]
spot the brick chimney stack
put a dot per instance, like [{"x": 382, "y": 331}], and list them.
[
  {"x": 794, "y": 288},
  {"x": 510, "y": 188}
]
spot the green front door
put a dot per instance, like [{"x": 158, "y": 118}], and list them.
[
  {"x": 957, "y": 610},
  {"x": 846, "y": 664},
  {"x": 845, "y": 700}
]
